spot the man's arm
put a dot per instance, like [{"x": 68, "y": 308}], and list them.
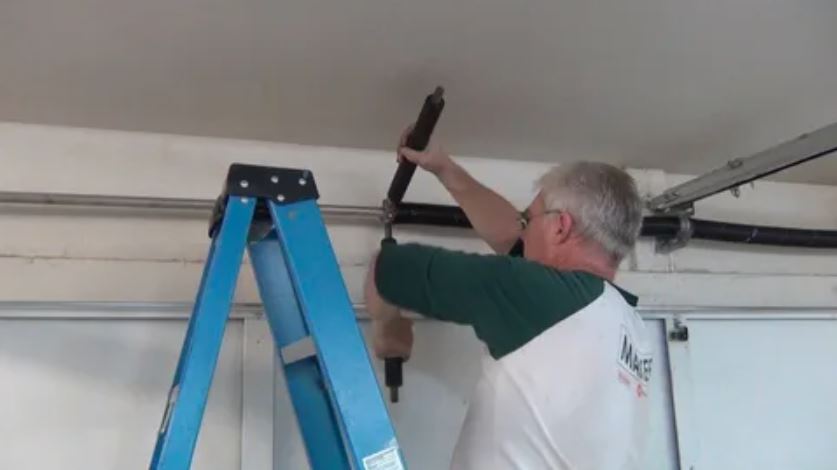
[
  {"x": 506, "y": 300},
  {"x": 493, "y": 217}
]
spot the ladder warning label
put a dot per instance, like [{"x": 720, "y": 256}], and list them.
[{"x": 388, "y": 459}]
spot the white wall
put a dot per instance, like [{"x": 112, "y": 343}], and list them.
[
  {"x": 81, "y": 255},
  {"x": 88, "y": 256}
]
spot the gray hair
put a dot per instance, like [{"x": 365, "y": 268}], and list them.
[{"x": 602, "y": 199}]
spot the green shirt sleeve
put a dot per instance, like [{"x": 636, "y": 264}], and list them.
[{"x": 507, "y": 300}]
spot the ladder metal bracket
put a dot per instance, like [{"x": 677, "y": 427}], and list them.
[
  {"x": 283, "y": 185},
  {"x": 280, "y": 185},
  {"x": 665, "y": 245}
]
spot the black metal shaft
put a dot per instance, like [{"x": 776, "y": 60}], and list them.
[
  {"x": 394, "y": 376},
  {"x": 417, "y": 140}
]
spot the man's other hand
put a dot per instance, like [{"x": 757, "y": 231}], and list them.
[{"x": 392, "y": 338}]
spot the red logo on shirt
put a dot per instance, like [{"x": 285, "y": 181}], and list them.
[
  {"x": 640, "y": 391},
  {"x": 623, "y": 377},
  {"x": 635, "y": 370}
]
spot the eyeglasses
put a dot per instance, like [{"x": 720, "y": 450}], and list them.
[{"x": 525, "y": 217}]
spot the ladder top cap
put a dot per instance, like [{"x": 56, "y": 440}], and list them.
[{"x": 280, "y": 185}]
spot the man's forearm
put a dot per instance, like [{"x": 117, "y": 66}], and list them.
[
  {"x": 377, "y": 308},
  {"x": 493, "y": 217},
  {"x": 392, "y": 333}
]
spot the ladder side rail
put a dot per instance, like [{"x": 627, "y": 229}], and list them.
[
  {"x": 179, "y": 430},
  {"x": 321, "y": 432},
  {"x": 341, "y": 350}
]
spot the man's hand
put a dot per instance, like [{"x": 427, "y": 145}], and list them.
[
  {"x": 493, "y": 217},
  {"x": 393, "y": 338},
  {"x": 433, "y": 159},
  {"x": 392, "y": 333}
]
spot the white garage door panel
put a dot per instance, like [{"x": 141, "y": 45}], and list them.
[
  {"x": 661, "y": 450},
  {"x": 438, "y": 382},
  {"x": 89, "y": 394},
  {"x": 765, "y": 393}
]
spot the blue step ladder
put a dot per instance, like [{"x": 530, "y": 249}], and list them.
[{"x": 339, "y": 407}]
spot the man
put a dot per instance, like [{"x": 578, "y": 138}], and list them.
[{"x": 565, "y": 380}]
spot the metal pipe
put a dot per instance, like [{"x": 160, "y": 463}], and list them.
[
  {"x": 430, "y": 214},
  {"x": 105, "y": 201},
  {"x": 49, "y": 310},
  {"x": 202, "y": 207}
]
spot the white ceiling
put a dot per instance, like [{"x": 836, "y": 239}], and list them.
[{"x": 676, "y": 84}]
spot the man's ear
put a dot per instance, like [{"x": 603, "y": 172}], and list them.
[{"x": 562, "y": 225}]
